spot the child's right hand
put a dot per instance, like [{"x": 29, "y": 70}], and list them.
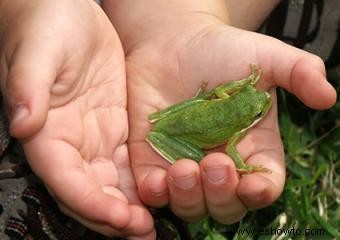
[
  {"x": 62, "y": 74},
  {"x": 171, "y": 48}
]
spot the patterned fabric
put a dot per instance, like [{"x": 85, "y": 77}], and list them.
[{"x": 27, "y": 211}]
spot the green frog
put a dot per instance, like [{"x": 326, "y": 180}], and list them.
[{"x": 210, "y": 119}]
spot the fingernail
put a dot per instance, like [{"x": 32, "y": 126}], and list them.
[
  {"x": 157, "y": 193},
  {"x": 184, "y": 182},
  {"x": 18, "y": 113},
  {"x": 216, "y": 175}
]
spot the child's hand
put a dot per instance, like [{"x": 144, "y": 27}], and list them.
[
  {"x": 174, "y": 46},
  {"x": 63, "y": 77}
]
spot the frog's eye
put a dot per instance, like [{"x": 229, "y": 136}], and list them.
[{"x": 259, "y": 114}]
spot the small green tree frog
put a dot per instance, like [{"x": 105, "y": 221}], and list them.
[{"x": 210, "y": 119}]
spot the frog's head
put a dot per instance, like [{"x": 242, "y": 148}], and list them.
[{"x": 261, "y": 104}]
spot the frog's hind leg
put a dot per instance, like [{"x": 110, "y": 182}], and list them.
[
  {"x": 225, "y": 90},
  {"x": 172, "y": 148},
  {"x": 241, "y": 166},
  {"x": 201, "y": 95}
]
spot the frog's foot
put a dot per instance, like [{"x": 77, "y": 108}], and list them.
[
  {"x": 203, "y": 93},
  {"x": 255, "y": 75},
  {"x": 253, "y": 168}
]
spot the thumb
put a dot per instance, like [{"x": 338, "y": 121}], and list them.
[
  {"x": 32, "y": 70},
  {"x": 302, "y": 74}
]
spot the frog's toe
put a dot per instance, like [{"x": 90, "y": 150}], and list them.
[{"x": 253, "y": 168}]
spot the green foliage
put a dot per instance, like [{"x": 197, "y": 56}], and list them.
[{"x": 311, "y": 198}]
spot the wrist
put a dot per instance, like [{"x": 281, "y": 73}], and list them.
[{"x": 154, "y": 19}]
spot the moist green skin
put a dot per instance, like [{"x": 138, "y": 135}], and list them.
[{"x": 210, "y": 119}]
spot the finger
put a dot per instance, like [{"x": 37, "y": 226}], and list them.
[
  {"x": 150, "y": 173},
  {"x": 185, "y": 190},
  {"x": 105, "y": 213},
  {"x": 220, "y": 181},
  {"x": 262, "y": 146},
  {"x": 141, "y": 217},
  {"x": 32, "y": 69},
  {"x": 63, "y": 173},
  {"x": 261, "y": 189},
  {"x": 127, "y": 184},
  {"x": 297, "y": 71}
]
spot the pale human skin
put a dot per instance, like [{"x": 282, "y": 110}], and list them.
[
  {"x": 47, "y": 65},
  {"x": 172, "y": 47},
  {"x": 63, "y": 77},
  {"x": 249, "y": 14}
]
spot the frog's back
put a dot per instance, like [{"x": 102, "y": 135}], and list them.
[{"x": 209, "y": 123}]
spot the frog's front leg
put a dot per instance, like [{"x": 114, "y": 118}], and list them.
[
  {"x": 173, "y": 148},
  {"x": 225, "y": 90},
  {"x": 241, "y": 166},
  {"x": 203, "y": 93}
]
